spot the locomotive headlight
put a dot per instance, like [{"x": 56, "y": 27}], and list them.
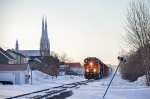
[
  {"x": 94, "y": 70},
  {"x": 87, "y": 70},
  {"x": 91, "y": 63}
]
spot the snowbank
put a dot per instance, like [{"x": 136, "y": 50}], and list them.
[
  {"x": 39, "y": 81},
  {"x": 41, "y": 78},
  {"x": 118, "y": 81}
]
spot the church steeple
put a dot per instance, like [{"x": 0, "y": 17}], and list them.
[
  {"x": 43, "y": 29},
  {"x": 17, "y": 46},
  {"x": 46, "y": 35},
  {"x": 44, "y": 43}
]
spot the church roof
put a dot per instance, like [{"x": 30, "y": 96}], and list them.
[
  {"x": 30, "y": 52},
  {"x": 16, "y": 52}
]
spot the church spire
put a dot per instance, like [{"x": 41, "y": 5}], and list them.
[
  {"x": 43, "y": 27},
  {"x": 46, "y": 35},
  {"x": 44, "y": 43},
  {"x": 17, "y": 46}
]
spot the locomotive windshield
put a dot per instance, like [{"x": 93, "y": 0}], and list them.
[{"x": 91, "y": 60}]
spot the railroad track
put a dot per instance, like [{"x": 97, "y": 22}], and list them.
[{"x": 59, "y": 92}]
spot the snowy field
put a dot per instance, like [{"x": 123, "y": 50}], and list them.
[{"x": 119, "y": 89}]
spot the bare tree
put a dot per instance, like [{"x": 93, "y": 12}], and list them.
[
  {"x": 138, "y": 31},
  {"x": 54, "y": 54},
  {"x": 64, "y": 58}
]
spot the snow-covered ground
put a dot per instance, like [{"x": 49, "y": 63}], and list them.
[
  {"x": 40, "y": 81},
  {"x": 119, "y": 89}
]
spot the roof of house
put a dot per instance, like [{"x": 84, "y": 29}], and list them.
[
  {"x": 13, "y": 67},
  {"x": 16, "y": 52},
  {"x": 8, "y": 56},
  {"x": 75, "y": 64}
]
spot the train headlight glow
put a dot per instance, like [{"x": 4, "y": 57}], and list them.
[
  {"x": 87, "y": 70},
  {"x": 91, "y": 63},
  {"x": 94, "y": 70}
]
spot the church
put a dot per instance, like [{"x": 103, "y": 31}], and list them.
[
  {"x": 44, "y": 43},
  {"x": 49, "y": 64}
]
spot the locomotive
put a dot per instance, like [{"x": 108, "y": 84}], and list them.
[{"x": 94, "y": 68}]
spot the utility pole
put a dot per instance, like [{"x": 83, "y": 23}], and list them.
[
  {"x": 122, "y": 60},
  {"x": 31, "y": 67},
  {"x": 30, "y": 62}
]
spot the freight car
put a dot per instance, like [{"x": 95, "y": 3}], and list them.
[{"x": 94, "y": 68}]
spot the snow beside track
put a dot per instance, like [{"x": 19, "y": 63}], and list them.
[
  {"x": 119, "y": 89},
  {"x": 40, "y": 81}
]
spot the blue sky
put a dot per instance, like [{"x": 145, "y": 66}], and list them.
[{"x": 80, "y": 28}]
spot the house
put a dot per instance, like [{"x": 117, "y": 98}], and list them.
[
  {"x": 76, "y": 67},
  {"x": 20, "y": 58},
  {"x": 14, "y": 73},
  {"x": 6, "y": 58}
]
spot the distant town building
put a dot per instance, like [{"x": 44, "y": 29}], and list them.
[
  {"x": 75, "y": 66},
  {"x": 63, "y": 69}
]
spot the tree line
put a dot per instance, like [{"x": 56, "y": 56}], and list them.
[{"x": 137, "y": 38}]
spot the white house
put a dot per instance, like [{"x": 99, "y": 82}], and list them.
[{"x": 15, "y": 73}]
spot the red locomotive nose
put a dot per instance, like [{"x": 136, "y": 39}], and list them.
[
  {"x": 91, "y": 63},
  {"x": 94, "y": 68}
]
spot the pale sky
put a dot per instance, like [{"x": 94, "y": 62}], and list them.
[{"x": 80, "y": 28}]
